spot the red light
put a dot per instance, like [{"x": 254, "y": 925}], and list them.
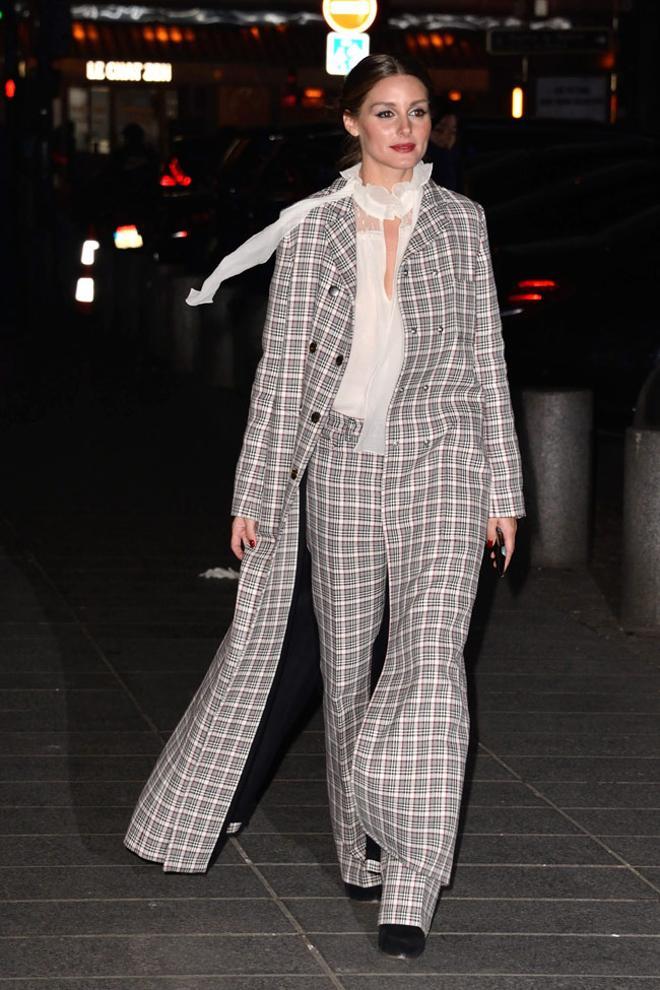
[
  {"x": 537, "y": 283},
  {"x": 176, "y": 176},
  {"x": 10, "y": 89},
  {"x": 525, "y": 297}
]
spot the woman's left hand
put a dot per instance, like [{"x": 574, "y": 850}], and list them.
[{"x": 508, "y": 525}]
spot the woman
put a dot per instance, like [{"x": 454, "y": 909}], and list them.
[{"x": 379, "y": 454}]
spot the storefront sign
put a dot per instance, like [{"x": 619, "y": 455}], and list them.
[
  {"x": 343, "y": 51},
  {"x": 147, "y": 72},
  {"x": 572, "y": 97}
]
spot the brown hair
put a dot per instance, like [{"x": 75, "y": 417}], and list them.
[{"x": 360, "y": 80}]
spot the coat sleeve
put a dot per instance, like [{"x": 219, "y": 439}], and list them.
[
  {"x": 248, "y": 481},
  {"x": 500, "y": 441}
]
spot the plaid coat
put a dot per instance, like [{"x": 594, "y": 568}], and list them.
[{"x": 452, "y": 460}]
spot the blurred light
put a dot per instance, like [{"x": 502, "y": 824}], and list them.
[
  {"x": 148, "y": 33},
  {"x": 180, "y": 233},
  {"x": 254, "y": 31},
  {"x": 127, "y": 236},
  {"x": 454, "y": 95},
  {"x": 537, "y": 283},
  {"x": 10, "y": 89},
  {"x": 449, "y": 39},
  {"x": 89, "y": 249},
  {"x": 78, "y": 31},
  {"x": 175, "y": 34},
  {"x": 161, "y": 33},
  {"x": 525, "y": 297},
  {"x": 189, "y": 34},
  {"x": 175, "y": 176},
  {"x": 607, "y": 60},
  {"x": 85, "y": 290},
  {"x": 517, "y": 102},
  {"x": 92, "y": 32},
  {"x": 436, "y": 40},
  {"x": 312, "y": 96},
  {"x": 423, "y": 40},
  {"x": 288, "y": 100},
  {"x": 411, "y": 43}
]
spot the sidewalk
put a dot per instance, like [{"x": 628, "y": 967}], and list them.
[{"x": 105, "y": 632}]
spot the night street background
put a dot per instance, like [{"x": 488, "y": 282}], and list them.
[{"x": 121, "y": 419}]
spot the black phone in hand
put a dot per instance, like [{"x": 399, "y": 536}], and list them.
[{"x": 500, "y": 552}]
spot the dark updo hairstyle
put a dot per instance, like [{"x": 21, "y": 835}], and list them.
[{"x": 358, "y": 83}]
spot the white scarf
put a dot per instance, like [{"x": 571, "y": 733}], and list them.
[{"x": 375, "y": 200}]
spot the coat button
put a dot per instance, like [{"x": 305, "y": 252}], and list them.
[
  {"x": 312, "y": 346},
  {"x": 339, "y": 359},
  {"x": 425, "y": 387},
  {"x": 413, "y": 329},
  {"x": 315, "y": 417},
  {"x": 294, "y": 473},
  {"x": 334, "y": 290}
]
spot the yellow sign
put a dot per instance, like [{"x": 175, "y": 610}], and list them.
[
  {"x": 350, "y": 15},
  {"x": 148, "y": 72}
]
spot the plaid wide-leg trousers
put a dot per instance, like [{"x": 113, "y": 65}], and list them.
[{"x": 345, "y": 538}]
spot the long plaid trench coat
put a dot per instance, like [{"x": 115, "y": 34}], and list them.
[{"x": 451, "y": 461}]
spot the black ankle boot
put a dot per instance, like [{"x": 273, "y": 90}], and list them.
[
  {"x": 368, "y": 895},
  {"x": 402, "y": 941}
]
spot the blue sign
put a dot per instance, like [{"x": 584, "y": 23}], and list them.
[{"x": 343, "y": 51}]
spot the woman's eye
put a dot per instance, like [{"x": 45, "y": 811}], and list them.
[{"x": 417, "y": 112}]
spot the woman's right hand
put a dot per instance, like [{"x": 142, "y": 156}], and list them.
[{"x": 243, "y": 532}]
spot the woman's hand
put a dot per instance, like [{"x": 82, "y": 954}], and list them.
[
  {"x": 243, "y": 531},
  {"x": 508, "y": 525}
]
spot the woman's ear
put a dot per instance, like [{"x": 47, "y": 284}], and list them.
[{"x": 350, "y": 125}]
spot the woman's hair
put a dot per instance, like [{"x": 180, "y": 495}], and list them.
[{"x": 358, "y": 83}]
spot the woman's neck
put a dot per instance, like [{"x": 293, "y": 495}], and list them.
[{"x": 372, "y": 174}]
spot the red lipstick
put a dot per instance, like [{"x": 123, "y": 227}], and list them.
[{"x": 402, "y": 147}]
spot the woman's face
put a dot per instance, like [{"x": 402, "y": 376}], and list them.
[{"x": 393, "y": 125}]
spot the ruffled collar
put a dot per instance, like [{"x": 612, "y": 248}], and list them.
[{"x": 383, "y": 203}]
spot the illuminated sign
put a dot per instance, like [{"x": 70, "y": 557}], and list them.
[
  {"x": 147, "y": 72},
  {"x": 349, "y": 15},
  {"x": 343, "y": 51}
]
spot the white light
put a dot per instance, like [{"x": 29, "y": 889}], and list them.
[
  {"x": 127, "y": 237},
  {"x": 88, "y": 250},
  {"x": 180, "y": 233},
  {"x": 517, "y": 102},
  {"x": 85, "y": 290},
  {"x": 343, "y": 51}
]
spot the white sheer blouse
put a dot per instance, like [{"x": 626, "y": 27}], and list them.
[{"x": 377, "y": 348}]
